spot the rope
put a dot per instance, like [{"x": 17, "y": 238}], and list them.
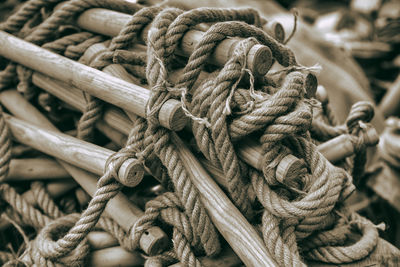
[{"x": 299, "y": 210}]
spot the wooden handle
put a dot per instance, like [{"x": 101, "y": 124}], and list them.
[
  {"x": 389, "y": 104},
  {"x": 236, "y": 230},
  {"x": 275, "y": 29},
  {"x": 115, "y": 257},
  {"x": 153, "y": 241},
  {"x": 99, "y": 84},
  {"x": 110, "y": 23},
  {"x": 35, "y": 169}
]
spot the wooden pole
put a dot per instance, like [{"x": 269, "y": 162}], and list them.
[
  {"x": 50, "y": 141},
  {"x": 35, "y": 169},
  {"x": 389, "y": 104},
  {"x": 110, "y": 23},
  {"x": 79, "y": 153},
  {"x": 115, "y": 257},
  {"x": 99, "y": 84}
]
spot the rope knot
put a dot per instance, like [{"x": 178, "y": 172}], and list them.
[
  {"x": 360, "y": 111},
  {"x": 47, "y": 247}
]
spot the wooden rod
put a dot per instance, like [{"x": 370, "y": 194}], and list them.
[
  {"x": 115, "y": 257},
  {"x": 236, "y": 230},
  {"x": 110, "y": 23},
  {"x": 99, "y": 84},
  {"x": 152, "y": 242},
  {"x": 35, "y": 169},
  {"x": 73, "y": 96},
  {"x": 77, "y": 152},
  {"x": 389, "y": 104}
]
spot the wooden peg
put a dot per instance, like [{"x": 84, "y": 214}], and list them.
[
  {"x": 110, "y": 23},
  {"x": 154, "y": 241},
  {"x": 275, "y": 29},
  {"x": 311, "y": 85},
  {"x": 288, "y": 167},
  {"x": 99, "y": 84}
]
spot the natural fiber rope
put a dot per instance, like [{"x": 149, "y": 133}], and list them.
[{"x": 294, "y": 208}]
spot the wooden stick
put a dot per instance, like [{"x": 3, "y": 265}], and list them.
[
  {"x": 110, "y": 23},
  {"x": 104, "y": 86},
  {"x": 100, "y": 240},
  {"x": 389, "y": 105},
  {"x": 79, "y": 153},
  {"x": 115, "y": 257},
  {"x": 152, "y": 243},
  {"x": 74, "y": 97},
  {"x": 35, "y": 169},
  {"x": 236, "y": 230}
]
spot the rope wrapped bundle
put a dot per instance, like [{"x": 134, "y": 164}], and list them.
[{"x": 165, "y": 69}]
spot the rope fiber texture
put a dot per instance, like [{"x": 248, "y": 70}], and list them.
[{"x": 299, "y": 219}]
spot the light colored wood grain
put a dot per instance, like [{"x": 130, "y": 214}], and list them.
[
  {"x": 35, "y": 169},
  {"x": 54, "y": 143},
  {"x": 175, "y": 122},
  {"x": 236, "y": 230},
  {"x": 389, "y": 104},
  {"x": 98, "y": 20},
  {"x": 99, "y": 84},
  {"x": 115, "y": 257},
  {"x": 113, "y": 116}
]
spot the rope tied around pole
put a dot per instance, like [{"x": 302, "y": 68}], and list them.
[{"x": 233, "y": 103}]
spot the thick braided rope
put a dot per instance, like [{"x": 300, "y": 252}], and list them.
[
  {"x": 59, "y": 46},
  {"x": 30, "y": 215},
  {"x": 188, "y": 19},
  {"x": 167, "y": 207},
  {"x": 29, "y": 9},
  {"x": 44, "y": 201},
  {"x": 164, "y": 149},
  {"x": 48, "y": 28},
  {"x": 219, "y": 32},
  {"x": 129, "y": 34},
  {"x": 5, "y": 147},
  {"x": 266, "y": 111},
  {"x": 348, "y": 253},
  {"x": 214, "y": 107},
  {"x": 75, "y": 46}
]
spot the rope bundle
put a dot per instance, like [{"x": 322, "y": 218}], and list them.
[{"x": 302, "y": 217}]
